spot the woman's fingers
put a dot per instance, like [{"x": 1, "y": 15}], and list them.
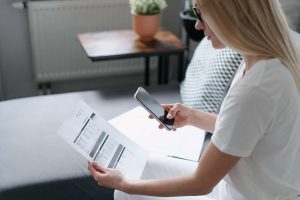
[
  {"x": 98, "y": 167},
  {"x": 161, "y": 126},
  {"x": 95, "y": 169},
  {"x": 170, "y": 116},
  {"x": 167, "y": 107},
  {"x": 173, "y": 111},
  {"x": 151, "y": 116}
]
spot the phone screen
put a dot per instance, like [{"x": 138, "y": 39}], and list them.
[{"x": 153, "y": 107}]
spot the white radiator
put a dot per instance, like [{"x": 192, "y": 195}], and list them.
[{"x": 57, "y": 54}]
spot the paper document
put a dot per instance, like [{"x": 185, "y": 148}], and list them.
[
  {"x": 97, "y": 140},
  {"x": 184, "y": 143}
]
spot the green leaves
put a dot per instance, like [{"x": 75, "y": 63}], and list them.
[{"x": 147, "y": 7}]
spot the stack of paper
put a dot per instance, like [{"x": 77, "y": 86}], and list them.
[{"x": 183, "y": 143}]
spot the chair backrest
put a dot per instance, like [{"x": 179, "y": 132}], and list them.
[{"x": 208, "y": 75}]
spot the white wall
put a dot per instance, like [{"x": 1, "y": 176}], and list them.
[
  {"x": 1, "y": 89},
  {"x": 15, "y": 60}
]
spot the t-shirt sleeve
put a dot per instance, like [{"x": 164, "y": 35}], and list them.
[{"x": 242, "y": 121}]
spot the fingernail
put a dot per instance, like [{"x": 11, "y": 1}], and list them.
[{"x": 169, "y": 116}]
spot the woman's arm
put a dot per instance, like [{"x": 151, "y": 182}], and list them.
[
  {"x": 204, "y": 120},
  {"x": 212, "y": 167}
]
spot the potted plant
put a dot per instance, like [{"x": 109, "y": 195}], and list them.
[
  {"x": 189, "y": 21},
  {"x": 146, "y": 17}
]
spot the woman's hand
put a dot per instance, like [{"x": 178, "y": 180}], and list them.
[
  {"x": 185, "y": 115},
  {"x": 181, "y": 114},
  {"x": 106, "y": 177}
]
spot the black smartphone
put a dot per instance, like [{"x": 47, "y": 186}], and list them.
[{"x": 153, "y": 107}]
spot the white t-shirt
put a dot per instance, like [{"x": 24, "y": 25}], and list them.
[{"x": 259, "y": 121}]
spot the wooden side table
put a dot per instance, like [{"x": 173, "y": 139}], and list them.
[{"x": 123, "y": 44}]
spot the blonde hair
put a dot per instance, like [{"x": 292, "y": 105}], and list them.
[{"x": 253, "y": 27}]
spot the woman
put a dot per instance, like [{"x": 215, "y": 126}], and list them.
[{"x": 255, "y": 147}]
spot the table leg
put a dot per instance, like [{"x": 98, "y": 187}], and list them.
[
  {"x": 166, "y": 69},
  {"x": 181, "y": 67},
  {"x": 147, "y": 70},
  {"x": 44, "y": 88},
  {"x": 160, "y": 70}
]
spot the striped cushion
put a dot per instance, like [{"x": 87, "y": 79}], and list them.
[{"x": 208, "y": 75}]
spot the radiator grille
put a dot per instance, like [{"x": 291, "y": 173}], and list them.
[{"x": 57, "y": 54}]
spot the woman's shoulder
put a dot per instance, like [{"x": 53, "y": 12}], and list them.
[
  {"x": 264, "y": 72},
  {"x": 269, "y": 78}
]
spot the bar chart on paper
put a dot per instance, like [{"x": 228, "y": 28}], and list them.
[{"x": 98, "y": 141}]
